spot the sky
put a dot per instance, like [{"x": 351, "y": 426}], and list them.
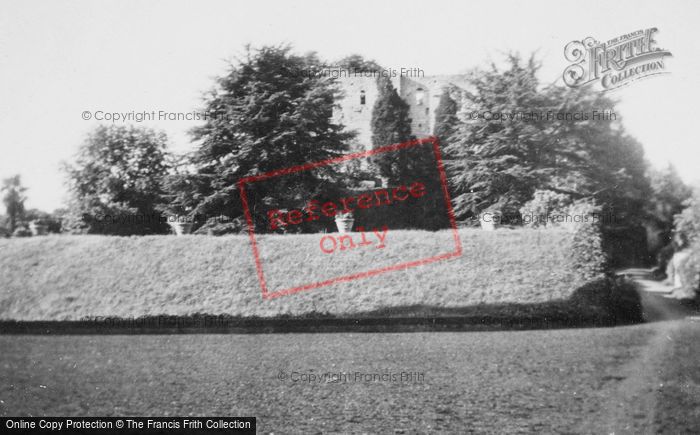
[{"x": 60, "y": 59}]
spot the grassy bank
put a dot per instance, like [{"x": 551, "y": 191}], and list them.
[{"x": 502, "y": 272}]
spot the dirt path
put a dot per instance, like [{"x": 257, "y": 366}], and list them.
[{"x": 633, "y": 407}]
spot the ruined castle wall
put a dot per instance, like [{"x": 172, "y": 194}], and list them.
[
  {"x": 433, "y": 86},
  {"x": 352, "y": 113},
  {"x": 421, "y": 94},
  {"x": 418, "y": 97}
]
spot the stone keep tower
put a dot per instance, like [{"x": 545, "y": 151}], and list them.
[{"x": 421, "y": 94}]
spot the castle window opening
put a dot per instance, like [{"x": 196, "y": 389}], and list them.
[
  {"x": 362, "y": 97},
  {"x": 427, "y": 110},
  {"x": 420, "y": 95}
]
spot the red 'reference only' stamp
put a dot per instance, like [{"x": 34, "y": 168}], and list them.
[{"x": 314, "y": 210}]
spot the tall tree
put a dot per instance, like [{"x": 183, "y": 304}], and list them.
[
  {"x": 390, "y": 124},
  {"x": 552, "y": 138},
  {"x": 669, "y": 193},
  {"x": 496, "y": 163},
  {"x": 271, "y": 111},
  {"x": 115, "y": 184},
  {"x": 596, "y": 158},
  {"x": 13, "y": 198},
  {"x": 446, "y": 120}
]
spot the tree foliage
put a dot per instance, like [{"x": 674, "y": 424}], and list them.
[
  {"x": 668, "y": 195},
  {"x": 115, "y": 183},
  {"x": 495, "y": 164},
  {"x": 51, "y": 220},
  {"x": 596, "y": 158},
  {"x": 271, "y": 111},
  {"x": 544, "y": 209},
  {"x": 547, "y": 138},
  {"x": 390, "y": 124},
  {"x": 587, "y": 248},
  {"x": 13, "y": 198},
  {"x": 687, "y": 222},
  {"x": 446, "y": 120},
  {"x": 356, "y": 63}
]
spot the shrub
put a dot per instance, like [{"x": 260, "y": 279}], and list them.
[
  {"x": 687, "y": 236},
  {"x": 687, "y": 223},
  {"x": 544, "y": 205},
  {"x": 51, "y": 220},
  {"x": 588, "y": 255},
  {"x": 22, "y": 232},
  {"x": 690, "y": 269},
  {"x": 118, "y": 173},
  {"x": 221, "y": 226},
  {"x": 613, "y": 300}
]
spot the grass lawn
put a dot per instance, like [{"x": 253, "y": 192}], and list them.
[
  {"x": 487, "y": 382},
  {"x": 678, "y": 409}
]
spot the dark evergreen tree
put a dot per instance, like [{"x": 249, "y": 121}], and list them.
[
  {"x": 596, "y": 158},
  {"x": 446, "y": 120},
  {"x": 391, "y": 124},
  {"x": 553, "y": 142},
  {"x": 271, "y": 111},
  {"x": 495, "y": 163}
]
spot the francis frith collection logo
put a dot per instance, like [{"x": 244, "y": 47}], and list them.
[{"x": 614, "y": 63}]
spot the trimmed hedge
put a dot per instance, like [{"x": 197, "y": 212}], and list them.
[
  {"x": 507, "y": 276},
  {"x": 589, "y": 257}
]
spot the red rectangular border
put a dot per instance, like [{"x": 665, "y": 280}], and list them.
[{"x": 266, "y": 294}]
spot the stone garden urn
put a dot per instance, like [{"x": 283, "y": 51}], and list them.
[
  {"x": 38, "y": 229},
  {"x": 489, "y": 220},
  {"x": 180, "y": 225},
  {"x": 344, "y": 222}
]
